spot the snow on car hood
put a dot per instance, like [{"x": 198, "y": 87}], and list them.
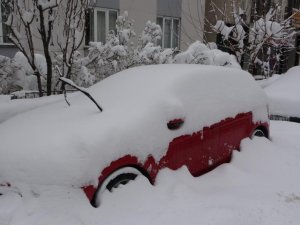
[{"x": 62, "y": 145}]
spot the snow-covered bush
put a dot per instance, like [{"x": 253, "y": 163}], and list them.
[
  {"x": 125, "y": 31},
  {"x": 148, "y": 51},
  {"x": 151, "y": 54},
  {"x": 199, "y": 53},
  {"x": 106, "y": 59},
  {"x": 27, "y": 77},
  {"x": 115, "y": 54},
  {"x": 8, "y": 78},
  {"x": 16, "y": 74},
  {"x": 151, "y": 34}
]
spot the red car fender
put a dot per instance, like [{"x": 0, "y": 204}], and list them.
[{"x": 149, "y": 168}]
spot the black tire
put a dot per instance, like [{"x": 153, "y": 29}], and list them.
[
  {"x": 121, "y": 179},
  {"x": 121, "y": 176},
  {"x": 258, "y": 133}
]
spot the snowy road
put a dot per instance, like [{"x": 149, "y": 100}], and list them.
[{"x": 260, "y": 186}]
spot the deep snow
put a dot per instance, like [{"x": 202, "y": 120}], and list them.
[
  {"x": 260, "y": 186},
  {"x": 284, "y": 93}
]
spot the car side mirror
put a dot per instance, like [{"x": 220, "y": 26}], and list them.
[{"x": 175, "y": 124}]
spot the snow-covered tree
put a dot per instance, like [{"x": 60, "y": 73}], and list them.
[
  {"x": 31, "y": 24},
  {"x": 71, "y": 27},
  {"x": 262, "y": 40}
]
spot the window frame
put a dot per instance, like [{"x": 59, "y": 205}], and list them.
[
  {"x": 106, "y": 11},
  {"x": 1, "y": 30},
  {"x": 164, "y": 18}
]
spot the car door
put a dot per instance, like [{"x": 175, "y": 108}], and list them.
[
  {"x": 185, "y": 150},
  {"x": 230, "y": 132}
]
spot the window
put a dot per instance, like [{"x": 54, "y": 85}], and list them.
[
  {"x": 4, "y": 29},
  {"x": 99, "y": 23},
  {"x": 171, "y": 31}
]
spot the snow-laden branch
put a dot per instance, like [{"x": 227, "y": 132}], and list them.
[{"x": 81, "y": 89}]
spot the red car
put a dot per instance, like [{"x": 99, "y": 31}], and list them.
[{"x": 154, "y": 117}]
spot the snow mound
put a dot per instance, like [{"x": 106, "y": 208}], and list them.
[{"x": 284, "y": 94}]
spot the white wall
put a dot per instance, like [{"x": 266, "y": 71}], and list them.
[{"x": 192, "y": 22}]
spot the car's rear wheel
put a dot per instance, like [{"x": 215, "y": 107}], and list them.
[
  {"x": 120, "y": 177},
  {"x": 258, "y": 133}
]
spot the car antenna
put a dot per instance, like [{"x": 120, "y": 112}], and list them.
[{"x": 71, "y": 83}]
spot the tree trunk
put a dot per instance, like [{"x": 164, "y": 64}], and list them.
[
  {"x": 39, "y": 81},
  {"x": 49, "y": 70},
  {"x": 39, "y": 85},
  {"x": 46, "y": 40}
]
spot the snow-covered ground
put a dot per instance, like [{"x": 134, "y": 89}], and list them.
[{"x": 260, "y": 186}]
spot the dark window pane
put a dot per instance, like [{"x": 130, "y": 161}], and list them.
[
  {"x": 176, "y": 33},
  {"x": 89, "y": 27},
  {"x": 113, "y": 15},
  {"x": 167, "y": 33},
  {"x": 6, "y": 33},
  {"x": 101, "y": 26},
  {"x": 159, "y": 21},
  {"x": 5, "y": 11}
]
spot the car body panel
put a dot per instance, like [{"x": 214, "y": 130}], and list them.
[{"x": 200, "y": 152}]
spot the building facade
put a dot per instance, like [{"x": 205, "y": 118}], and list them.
[{"x": 182, "y": 21}]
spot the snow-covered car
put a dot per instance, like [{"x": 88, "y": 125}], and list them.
[
  {"x": 154, "y": 117},
  {"x": 284, "y": 96}
]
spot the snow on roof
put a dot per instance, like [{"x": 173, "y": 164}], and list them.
[
  {"x": 57, "y": 144},
  {"x": 284, "y": 94}
]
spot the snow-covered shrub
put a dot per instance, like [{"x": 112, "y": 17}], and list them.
[
  {"x": 116, "y": 54},
  {"x": 151, "y": 34},
  {"x": 106, "y": 59},
  {"x": 8, "y": 77},
  {"x": 125, "y": 31},
  {"x": 27, "y": 78},
  {"x": 199, "y": 53},
  {"x": 148, "y": 51},
  {"x": 119, "y": 53},
  {"x": 151, "y": 54},
  {"x": 16, "y": 74}
]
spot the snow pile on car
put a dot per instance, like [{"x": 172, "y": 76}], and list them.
[
  {"x": 284, "y": 94},
  {"x": 61, "y": 145}
]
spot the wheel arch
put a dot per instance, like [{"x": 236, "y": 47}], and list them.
[
  {"x": 105, "y": 180},
  {"x": 119, "y": 164}
]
